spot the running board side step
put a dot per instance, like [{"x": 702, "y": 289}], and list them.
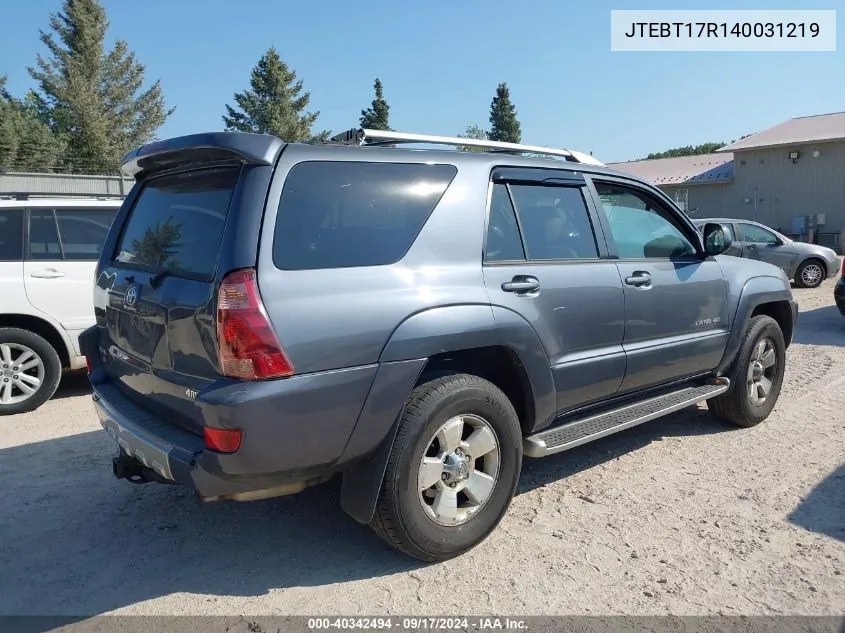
[{"x": 572, "y": 434}]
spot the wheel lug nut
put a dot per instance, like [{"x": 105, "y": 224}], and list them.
[
  {"x": 443, "y": 476},
  {"x": 453, "y": 484},
  {"x": 14, "y": 377}
]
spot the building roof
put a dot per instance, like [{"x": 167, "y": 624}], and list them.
[
  {"x": 682, "y": 170},
  {"x": 808, "y": 129}
]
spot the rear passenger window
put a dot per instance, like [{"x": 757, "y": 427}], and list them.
[
  {"x": 11, "y": 235},
  {"x": 503, "y": 241},
  {"x": 555, "y": 222},
  {"x": 43, "y": 235},
  {"x": 177, "y": 222},
  {"x": 83, "y": 231},
  {"x": 345, "y": 214}
]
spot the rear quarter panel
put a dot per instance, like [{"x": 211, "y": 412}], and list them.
[{"x": 343, "y": 317}]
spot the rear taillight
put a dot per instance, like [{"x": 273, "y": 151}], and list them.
[
  {"x": 88, "y": 364},
  {"x": 222, "y": 440},
  {"x": 248, "y": 346}
]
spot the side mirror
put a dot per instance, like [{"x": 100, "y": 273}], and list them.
[{"x": 716, "y": 239}]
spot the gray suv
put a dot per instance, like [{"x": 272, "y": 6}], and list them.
[
  {"x": 270, "y": 314},
  {"x": 808, "y": 264}
]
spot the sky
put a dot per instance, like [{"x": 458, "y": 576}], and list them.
[{"x": 440, "y": 63}]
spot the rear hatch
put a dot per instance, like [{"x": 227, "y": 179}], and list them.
[{"x": 156, "y": 291}]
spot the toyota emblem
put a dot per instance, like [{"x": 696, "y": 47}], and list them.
[{"x": 131, "y": 296}]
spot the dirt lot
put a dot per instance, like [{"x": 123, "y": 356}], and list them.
[{"x": 681, "y": 516}]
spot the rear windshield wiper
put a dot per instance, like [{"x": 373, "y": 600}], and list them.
[{"x": 156, "y": 279}]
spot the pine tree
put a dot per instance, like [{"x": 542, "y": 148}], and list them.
[
  {"x": 91, "y": 98},
  {"x": 504, "y": 124},
  {"x": 26, "y": 144},
  {"x": 473, "y": 132},
  {"x": 156, "y": 247},
  {"x": 274, "y": 104},
  {"x": 377, "y": 116}
]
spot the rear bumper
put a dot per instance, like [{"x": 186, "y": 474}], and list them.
[
  {"x": 839, "y": 295},
  {"x": 174, "y": 454},
  {"x": 293, "y": 433},
  {"x": 168, "y": 450},
  {"x": 296, "y": 432}
]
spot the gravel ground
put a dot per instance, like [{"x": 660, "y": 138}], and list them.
[{"x": 680, "y": 516}]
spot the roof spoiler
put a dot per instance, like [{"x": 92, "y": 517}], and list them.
[{"x": 251, "y": 149}]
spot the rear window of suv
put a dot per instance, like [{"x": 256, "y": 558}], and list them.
[
  {"x": 177, "y": 223},
  {"x": 340, "y": 214}
]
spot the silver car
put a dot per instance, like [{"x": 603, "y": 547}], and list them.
[{"x": 807, "y": 264}]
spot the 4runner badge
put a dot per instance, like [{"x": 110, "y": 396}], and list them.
[{"x": 191, "y": 393}]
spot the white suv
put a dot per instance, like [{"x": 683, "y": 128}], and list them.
[{"x": 48, "y": 254}]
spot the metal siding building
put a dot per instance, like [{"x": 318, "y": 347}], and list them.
[
  {"x": 31, "y": 184},
  {"x": 779, "y": 177},
  {"x": 777, "y": 189}
]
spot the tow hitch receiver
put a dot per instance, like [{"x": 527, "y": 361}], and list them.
[{"x": 129, "y": 468}]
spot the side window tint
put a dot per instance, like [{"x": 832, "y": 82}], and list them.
[
  {"x": 83, "y": 231},
  {"x": 754, "y": 233},
  {"x": 503, "y": 241},
  {"x": 640, "y": 226},
  {"x": 11, "y": 235},
  {"x": 43, "y": 237},
  {"x": 340, "y": 214},
  {"x": 555, "y": 223}
]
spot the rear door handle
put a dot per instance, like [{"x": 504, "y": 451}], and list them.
[
  {"x": 49, "y": 273},
  {"x": 521, "y": 284},
  {"x": 639, "y": 278}
]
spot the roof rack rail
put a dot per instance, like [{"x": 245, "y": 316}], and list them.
[
  {"x": 362, "y": 136},
  {"x": 29, "y": 195}
]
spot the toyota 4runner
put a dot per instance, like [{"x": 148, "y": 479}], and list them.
[{"x": 271, "y": 314}]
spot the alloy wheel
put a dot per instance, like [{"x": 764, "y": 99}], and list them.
[
  {"x": 21, "y": 373},
  {"x": 459, "y": 470}
]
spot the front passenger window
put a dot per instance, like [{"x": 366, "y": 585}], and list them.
[
  {"x": 756, "y": 234},
  {"x": 640, "y": 227}
]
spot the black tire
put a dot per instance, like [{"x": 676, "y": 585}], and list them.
[
  {"x": 735, "y": 405},
  {"x": 52, "y": 372},
  {"x": 799, "y": 274},
  {"x": 400, "y": 518}
]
